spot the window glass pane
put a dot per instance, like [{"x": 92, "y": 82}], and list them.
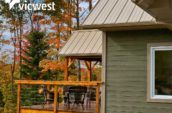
[{"x": 163, "y": 72}]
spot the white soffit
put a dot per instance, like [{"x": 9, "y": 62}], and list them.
[{"x": 160, "y": 9}]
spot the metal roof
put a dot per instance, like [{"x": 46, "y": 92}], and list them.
[
  {"x": 117, "y": 12},
  {"x": 83, "y": 43}
]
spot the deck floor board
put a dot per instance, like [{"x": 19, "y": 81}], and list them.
[{"x": 48, "y": 108}]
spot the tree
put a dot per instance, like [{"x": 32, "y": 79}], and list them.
[
  {"x": 9, "y": 98},
  {"x": 35, "y": 52},
  {"x": 63, "y": 24},
  {"x": 1, "y": 102}
]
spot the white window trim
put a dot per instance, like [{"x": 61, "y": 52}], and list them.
[
  {"x": 103, "y": 94},
  {"x": 151, "y": 96}
]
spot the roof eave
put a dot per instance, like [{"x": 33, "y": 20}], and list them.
[
  {"x": 90, "y": 57},
  {"x": 126, "y": 26},
  {"x": 81, "y": 55}
]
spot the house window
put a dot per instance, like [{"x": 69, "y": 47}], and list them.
[{"x": 160, "y": 74}]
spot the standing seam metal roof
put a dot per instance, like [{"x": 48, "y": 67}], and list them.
[
  {"x": 117, "y": 12},
  {"x": 83, "y": 43}
]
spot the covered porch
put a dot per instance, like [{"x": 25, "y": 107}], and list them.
[{"x": 67, "y": 96}]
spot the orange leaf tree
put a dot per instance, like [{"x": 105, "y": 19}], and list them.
[{"x": 60, "y": 27}]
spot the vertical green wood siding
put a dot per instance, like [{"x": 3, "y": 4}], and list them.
[{"x": 127, "y": 71}]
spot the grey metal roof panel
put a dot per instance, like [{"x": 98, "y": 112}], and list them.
[
  {"x": 146, "y": 17},
  {"x": 74, "y": 43},
  {"x": 97, "y": 46},
  {"x": 93, "y": 42},
  {"x": 83, "y": 43},
  {"x": 95, "y": 12},
  {"x": 117, "y": 12},
  {"x": 105, "y": 11},
  {"x": 87, "y": 41},
  {"x": 136, "y": 14},
  {"x": 113, "y": 16},
  {"x": 126, "y": 12}
]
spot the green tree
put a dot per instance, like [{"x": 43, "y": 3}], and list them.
[
  {"x": 1, "y": 102},
  {"x": 9, "y": 98},
  {"x": 33, "y": 54}
]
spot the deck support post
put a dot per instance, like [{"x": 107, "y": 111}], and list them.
[
  {"x": 97, "y": 98},
  {"x": 89, "y": 70},
  {"x": 55, "y": 98},
  {"x": 18, "y": 98},
  {"x": 66, "y": 71}
]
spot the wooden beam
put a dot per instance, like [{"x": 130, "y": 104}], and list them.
[
  {"x": 71, "y": 61},
  {"x": 97, "y": 99},
  {"x": 36, "y": 111},
  {"x": 55, "y": 98},
  {"x": 64, "y": 83},
  {"x": 18, "y": 98},
  {"x": 95, "y": 64},
  {"x": 87, "y": 65},
  {"x": 88, "y": 58},
  {"x": 89, "y": 71},
  {"x": 66, "y": 71}
]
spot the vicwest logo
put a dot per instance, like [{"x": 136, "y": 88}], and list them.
[
  {"x": 12, "y": 2},
  {"x": 30, "y": 6}
]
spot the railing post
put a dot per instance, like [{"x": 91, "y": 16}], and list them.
[
  {"x": 97, "y": 98},
  {"x": 55, "y": 98},
  {"x": 18, "y": 98},
  {"x": 48, "y": 94},
  {"x": 66, "y": 71}
]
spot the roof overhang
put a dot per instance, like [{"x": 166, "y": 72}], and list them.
[
  {"x": 127, "y": 26},
  {"x": 160, "y": 9},
  {"x": 87, "y": 57}
]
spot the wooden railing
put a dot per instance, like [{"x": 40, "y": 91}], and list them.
[{"x": 56, "y": 85}]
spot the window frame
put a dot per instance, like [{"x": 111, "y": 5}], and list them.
[{"x": 151, "y": 96}]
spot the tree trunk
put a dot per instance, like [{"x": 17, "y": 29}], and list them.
[
  {"x": 78, "y": 21},
  {"x": 77, "y": 13},
  {"x": 13, "y": 66},
  {"x": 90, "y": 5}
]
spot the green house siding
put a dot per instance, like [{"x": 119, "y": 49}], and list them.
[{"x": 127, "y": 71}]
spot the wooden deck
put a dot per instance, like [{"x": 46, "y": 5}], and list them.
[
  {"x": 94, "y": 107},
  {"x": 46, "y": 111},
  {"x": 61, "y": 109}
]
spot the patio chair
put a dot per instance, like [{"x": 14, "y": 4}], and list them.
[
  {"x": 66, "y": 95},
  {"x": 77, "y": 95},
  {"x": 90, "y": 96},
  {"x": 49, "y": 99}
]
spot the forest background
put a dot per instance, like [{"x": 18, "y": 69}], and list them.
[{"x": 30, "y": 42}]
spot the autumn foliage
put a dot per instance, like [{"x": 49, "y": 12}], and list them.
[{"x": 51, "y": 65}]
